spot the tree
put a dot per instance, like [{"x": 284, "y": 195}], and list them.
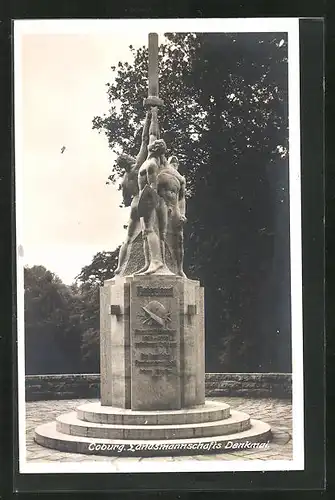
[
  {"x": 52, "y": 333},
  {"x": 225, "y": 117},
  {"x": 62, "y": 322},
  {"x": 99, "y": 270}
]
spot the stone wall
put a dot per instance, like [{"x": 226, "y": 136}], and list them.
[
  {"x": 87, "y": 386},
  {"x": 261, "y": 385},
  {"x": 64, "y": 386}
]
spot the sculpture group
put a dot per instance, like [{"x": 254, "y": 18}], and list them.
[{"x": 155, "y": 190}]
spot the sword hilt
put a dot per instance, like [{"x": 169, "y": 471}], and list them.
[{"x": 152, "y": 101}]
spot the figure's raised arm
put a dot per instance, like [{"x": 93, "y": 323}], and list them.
[
  {"x": 182, "y": 199},
  {"x": 142, "y": 155},
  {"x": 154, "y": 133}
]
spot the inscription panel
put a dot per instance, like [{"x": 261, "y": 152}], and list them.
[{"x": 155, "y": 347}]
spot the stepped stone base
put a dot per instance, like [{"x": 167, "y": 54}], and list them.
[
  {"x": 210, "y": 411},
  {"x": 104, "y": 430}
]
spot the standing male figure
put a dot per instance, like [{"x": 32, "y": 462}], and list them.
[
  {"x": 151, "y": 206},
  {"x": 171, "y": 187}
]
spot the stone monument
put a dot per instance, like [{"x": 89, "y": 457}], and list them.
[{"x": 152, "y": 327}]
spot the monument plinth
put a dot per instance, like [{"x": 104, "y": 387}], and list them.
[
  {"x": 152, "y": 343},
  {"x": 152, "y": 328}
]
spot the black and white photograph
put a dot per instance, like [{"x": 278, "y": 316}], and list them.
[{"x": 158, "y": 245}]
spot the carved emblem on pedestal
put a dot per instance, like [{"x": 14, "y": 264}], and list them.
[{"x": 155, "y": 314}]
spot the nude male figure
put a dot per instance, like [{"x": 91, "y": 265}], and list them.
[
  {"x": 150, "y": 204},
  {"x": 171, "y": 187}
]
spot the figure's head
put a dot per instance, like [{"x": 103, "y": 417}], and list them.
[
  {"x": 174, "y": 162},
  {"x": 125, "y": 161},
  {"x": 158, "y": 147}
]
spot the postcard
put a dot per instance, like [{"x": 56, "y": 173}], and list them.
[{"x": 158, "y": 229}]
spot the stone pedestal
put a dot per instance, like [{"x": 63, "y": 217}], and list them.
[{"x": 152, "y": 343}]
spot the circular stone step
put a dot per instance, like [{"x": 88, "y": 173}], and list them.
[
  {"x": 257, "y": 436},
  {"x": 70, "y": 424},
  {"x": 209, "y": 412}
]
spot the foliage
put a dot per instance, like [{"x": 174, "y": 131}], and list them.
[
  {"x": 61, "y": 322},
  {"x": 99, "y": 270},
  {"x": 52, "y": 327}
]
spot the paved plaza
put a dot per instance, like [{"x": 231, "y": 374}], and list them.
[{"x": 276, "y": 412}]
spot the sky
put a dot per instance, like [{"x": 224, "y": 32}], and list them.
[{"x": 68, "y": 211}]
